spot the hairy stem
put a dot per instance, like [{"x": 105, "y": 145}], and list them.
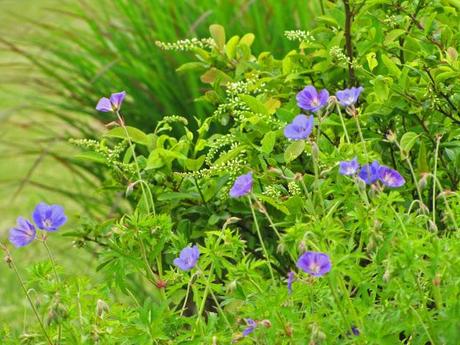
[{"x": 259, "y": 234}]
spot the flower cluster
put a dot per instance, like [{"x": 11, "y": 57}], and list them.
[
  {"x": 46, "y": 217},
  {"x": 371, "y": 173},
  {"x": 187, "y": 44},
  {"x": 299, "y": 35}
]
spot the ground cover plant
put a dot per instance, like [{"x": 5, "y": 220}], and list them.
[{"x": 316, "y": 202}]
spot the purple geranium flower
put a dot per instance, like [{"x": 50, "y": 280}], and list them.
[
  {"x": 349, "y": 168},
  {"x": 390, "y": 177},
  {"x": 348, "y": 97},
  {"x": 370, "y": 172},
  {"x": 23, "y": 233},
  {"x": 251, "y": 326},
  {"x": 113, "y": 104},
  {"x": 49, "y": 217},
  {"x": 188, "y": 258},
  {"x": 242, "y": 185},
  {"x": 314, "y": 263},
  {"x": 290, "y": 280},
  {"x": 300, "y": 128},
  {"x": 309, "y": 98}
]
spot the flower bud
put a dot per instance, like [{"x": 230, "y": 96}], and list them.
[
  {"x": 101, "y": 308},
  {"x": 266, "y": 323},
  {"x": 391, "y": 136}
]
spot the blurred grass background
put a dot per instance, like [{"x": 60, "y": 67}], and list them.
[{"x": 57, "y": 58}]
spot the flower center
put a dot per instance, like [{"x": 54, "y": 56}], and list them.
[
  {"x": 48, "y": 223},
  {"x": 314, "y": 267},
  {"x": 315, "y": 102}
]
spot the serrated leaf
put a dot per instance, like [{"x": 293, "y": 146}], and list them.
[
  {"x": 276, "y": 204},
  {"x": 294, "y": 150}
]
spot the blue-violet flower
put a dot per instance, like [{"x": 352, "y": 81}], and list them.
[
  {"x": 314, "y": 263},
  {"x": 390, "y": 177},
  {"x": 23, "y": 233},
  {"x": 113, "y": 104},
  {"x": 311, "y": 100},
  {"x": 370, "y": 172},
  {"x": 349, "y": 168},
  {"x": 242, "y": 186},
  {"x": 348, "y": 97},
  {"x": 49, "y": 217},
  {"x": 188, "y": 258},
  {"x": 251, "y": 326},
  {"x": 300, "y": 128}
]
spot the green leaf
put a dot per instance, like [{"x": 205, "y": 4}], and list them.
[
  {"x": 254, "y": 104},
  {"x": 91, "y": 156},
  {"x": 393, "y": 35},
  {"x": 268, "y": 142},
  {"x": 135, "y": 134},
  {"x": 213, "y": 74},
  {"x": 294, "y": 150},
  {"x": 391, "y": 65},
  {"x": 247, "y": 39},
  {"x": 371, "y": 61},
  {"x": 276, "y": 204},
  {"x": 381, "y": 89},
  {"x": 407, "y": 142},
  {"x": 218, "y": 34},
  {"x": 190, "y": 66},
  {"x": 230, "y": 47},
  {"x": 194, "y": 164}
]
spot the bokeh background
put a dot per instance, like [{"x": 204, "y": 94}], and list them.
[{"x": 58, "y": 57}]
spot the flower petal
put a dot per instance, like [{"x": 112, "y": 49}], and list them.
[{"x": 104, "y": 105}]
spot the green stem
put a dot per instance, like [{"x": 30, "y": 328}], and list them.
[
  {"x": 42, "y": 326},
  {"x": 261, "y": 240},
  {"x": 361, "y": 137},
  {"x": 53, "y": 263},
  {"x": 449, "y": 210},
  {"x": 332, "y": 286},
  {"x": 136, "y": 163},
  {"x": 307, "y": 194},
  {"x": 435, "y": 172},
  {"x": 343, "y": 123},
  {"x": 316, "y": 170},
  {"x": 189, "y": 285}
]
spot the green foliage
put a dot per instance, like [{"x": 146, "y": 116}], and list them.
[{"x": 394, "y": 252}]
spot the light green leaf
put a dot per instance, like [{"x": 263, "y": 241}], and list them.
[
  {"x": 407, "y": 142},
  {"x": 268, "y": 142},
  {"x": 254, "y": 104},
  {"x": 371, "y": 61},
  {"x": 135, "y": 134},
  {"x": 294, "y": 150}
]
